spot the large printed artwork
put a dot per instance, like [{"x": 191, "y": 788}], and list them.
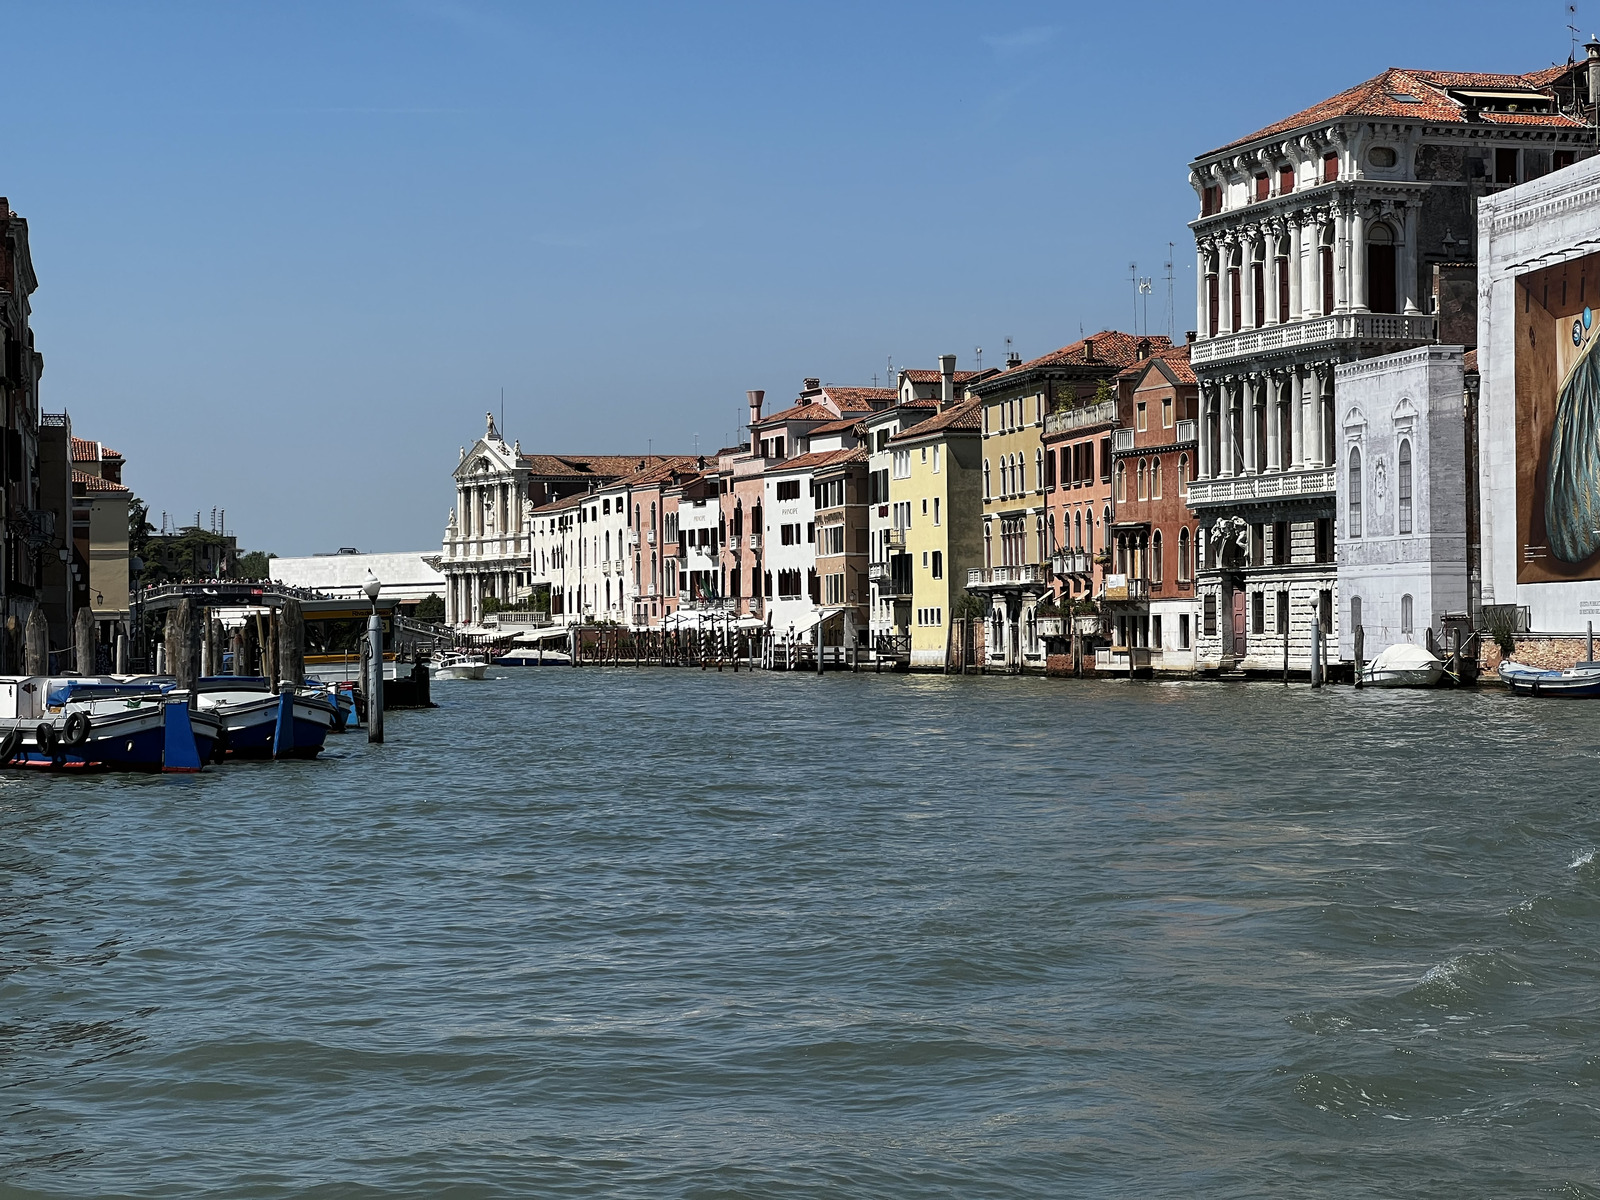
[{"x": 1558, "y": 422}]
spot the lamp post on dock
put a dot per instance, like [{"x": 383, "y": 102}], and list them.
[{"x": 375, "y": 663}]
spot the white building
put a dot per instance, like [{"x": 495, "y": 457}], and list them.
[
  {"x": 407, "y": 578},
  {"x": 1538, "y": 284},
  {"x": 1334, "y": 235},
  {"x": 1402, "y": 497},
  {"x": 485, "y": 539}
]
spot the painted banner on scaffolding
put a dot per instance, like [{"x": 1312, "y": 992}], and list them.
[{"x": 1558, "y": 422}]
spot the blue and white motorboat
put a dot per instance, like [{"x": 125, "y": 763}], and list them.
[
  {"x": 1581, "y": 680},
  {"x": 257, "y": 722},
  {"x": 83, "y": 723}
]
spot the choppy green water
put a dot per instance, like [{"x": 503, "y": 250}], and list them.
[{"x": 653, "y": 933}]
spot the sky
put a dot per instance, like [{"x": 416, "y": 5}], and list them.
[{"x": 290, "y": 254}]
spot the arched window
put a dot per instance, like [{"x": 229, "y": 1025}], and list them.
[
  {"x": 1144, "y": 484},
  {"x": 1022, "y": 468},
  {"x": 1121, "y": 492},
  {"x": 988, "y": 544},
  {"x": 1077, "y": 521},
  {"x": 1053, "y": 542},
  {"x": 1183, "y": 555},
  {"x": 1183, "y": 473},
  {"x": 1155, "y": 557},
  {"x": 1354, "y": 524},
  {"x": 1155, "y": 479},
  {"x": 1405, "y": 616},
  {"x": 1038, "y": 533},
  {"x": 1038, "y": 469},
  {"x": 1381, "y": 275},
  {"x": 1199, "y": 551},
  {"x": 1405, "y": 486},
  {"x": 986, "y": 493}
]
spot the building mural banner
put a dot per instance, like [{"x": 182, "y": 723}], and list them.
[{"x": 1558, "y": 422}]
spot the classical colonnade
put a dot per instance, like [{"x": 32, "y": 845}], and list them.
[{"x": 1260, "y": 421}]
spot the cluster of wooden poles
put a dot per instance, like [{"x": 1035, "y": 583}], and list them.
[{"x": 194, "y": 643}]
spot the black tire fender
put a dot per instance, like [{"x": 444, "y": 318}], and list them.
[
  {"x": 76, "y": 730},
  {"x": 11, "y": 745},
  {"x": 47, "y": 737}
]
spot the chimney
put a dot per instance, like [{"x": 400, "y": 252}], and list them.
[
  {"x": 947, "y": 381},
  {"x": 1190, "y": 336},
  {"x": 1013, "y": 361},
  {"x": 1593, "y": 50},
  {"x": 1088, "y": 349},
  {"x": 812, "y": 385},
  {"x": 755, "y": 398},
  {"x": 1144, "y": 349}
]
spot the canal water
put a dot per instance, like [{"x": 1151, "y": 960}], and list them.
[{"x": 672, "y": 933}]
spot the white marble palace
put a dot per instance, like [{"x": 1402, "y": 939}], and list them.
[{"x": 1342, "y": 232}]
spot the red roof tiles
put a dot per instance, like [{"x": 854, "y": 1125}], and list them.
[
  {"x": 1109, "y": 347},
  {"x": 1376, "y": 97},
  {"x": 84, "y": 450},
  {"x": 93, "y": 483},
  {"x": 918, "y": 375},
  {"x": 958, "y": 418}
]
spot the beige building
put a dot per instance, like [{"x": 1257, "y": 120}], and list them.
[{"x": 100, "y": 536}]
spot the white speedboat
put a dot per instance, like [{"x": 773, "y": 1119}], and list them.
[
  {"x": 454, "y": 664},
  {"x": 1404, "y": 665}
]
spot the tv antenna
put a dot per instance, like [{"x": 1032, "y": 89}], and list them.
[
  {"x": 1572, "y": 54},
  {"x": 1133, "y": 278},
  {"x": 1170, "y": 313},
  {"x": 977, "y": 353},
  {"x": 1144, "y": 292}
]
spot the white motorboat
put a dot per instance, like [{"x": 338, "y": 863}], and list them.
[
  {"x": 1403, "y": 665},
  {"x": 455, "y": 664}
]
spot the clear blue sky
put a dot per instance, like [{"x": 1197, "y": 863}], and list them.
[{"x": 290, "y": 253}]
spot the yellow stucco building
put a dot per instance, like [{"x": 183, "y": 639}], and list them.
[{"x": 935, "y": 497}]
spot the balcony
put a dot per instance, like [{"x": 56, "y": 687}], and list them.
[
  {"x": 878, "y": 572},
  {"x": 1187, "y": 431},
  {"x": 633, "y": 537},
  {"x": 1023, "y": 575},
  {"x": 521, "y": 620},
  {"x": 733, "y": 541},
  {"x": 1393, "y": 331},
  {"x": 755, "y": 541},
  {"x": 1069, "y": 419},
  {"x": 650, "y": 537},
  {"x": 1122, "y": 439},
  {"x": 1276, "y": 485},
  {"x": 894, "y": 539},
  {"x": 1071, "y": 562},
  {"x": 1125, "y": 588}
]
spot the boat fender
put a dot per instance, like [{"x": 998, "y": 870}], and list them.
[
  {"x": 45, "y": 735},
  {"x": 11, "y": 745},
  {"x": 76, "y": 730}
]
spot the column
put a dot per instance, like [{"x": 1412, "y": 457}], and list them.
[
  {"x": 1311, "y": 264},
  {"x": 1358, "y": 260},
  {"x": 1297, "y": 420},
  {"x": 1341, "y": 247},
  {"x": 1318, "y": 455},
  {"x": 1224, "y": 429},
  {"x": 1272, "y": 242},
  {"x": 1408, "y": 262},
  {"x": 1247, "y": 416},
  {"x": 1202, "y": 466},
  {"x": 1201, "y": 255},
  {"x": 1274, "y": 425},
  {"x": 1296, "y": 270},
  {"x": 1247, "y": 282}
]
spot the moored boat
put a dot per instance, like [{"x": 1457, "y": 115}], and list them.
[
  {"x": 1580, "y": 681},
  {"x": 523, "y": 657},
  {"x": 81, "y": 723},
  {"x": 257, "y": 722},
  {"x": 1403, "y": 665}
]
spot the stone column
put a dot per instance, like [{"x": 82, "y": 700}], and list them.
[
  {"x": 1318, "y": 452},
  {"x": 1247, "y": 279},
  {"x": 1274, "y": 449},
  {"x": 1408, "y": 262},
  {"x": 1311, "y": 284},
  {"x": 1358, "y": 260},
  {"x": 1297, "y": 419},
  {"x": 1202, "y": 255},
  {"x": 1341, "y": 248},
  {"x": 1202, "y": 465},
  {"x": 1296, "y": 268},
  {"x": 1269, "y": 268},
  {"x": 1247, "y": 416}
]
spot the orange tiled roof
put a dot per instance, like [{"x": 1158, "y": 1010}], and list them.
[
  {"x": 1429, "y": 101},
  {"x": 601, "y": 466},
  {"x": 1176, "y": 358},
  {"x": 958, "y": 418},
  {"x": 918, "y": 375},
  {"x": 93, "y": 483},
  {"x": 1110, "y": 347},
  {"x": 84, "y": 450},
  {"x": 810, "y": 462},
  {"x": 1469, "y": 362},
  {"x": 812, "y": 411},
  {"x": 860, "y": 399},
  {"x": 839, "y": 426}
]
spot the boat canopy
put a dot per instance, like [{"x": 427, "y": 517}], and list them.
[{"x": 1405, "y": 657}]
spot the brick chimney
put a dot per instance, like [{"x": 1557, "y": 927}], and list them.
[
  {"x": 947, "y": 381},
  {"x": 755, "y": 397},
  {"x": 1088, "y": 349}
]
